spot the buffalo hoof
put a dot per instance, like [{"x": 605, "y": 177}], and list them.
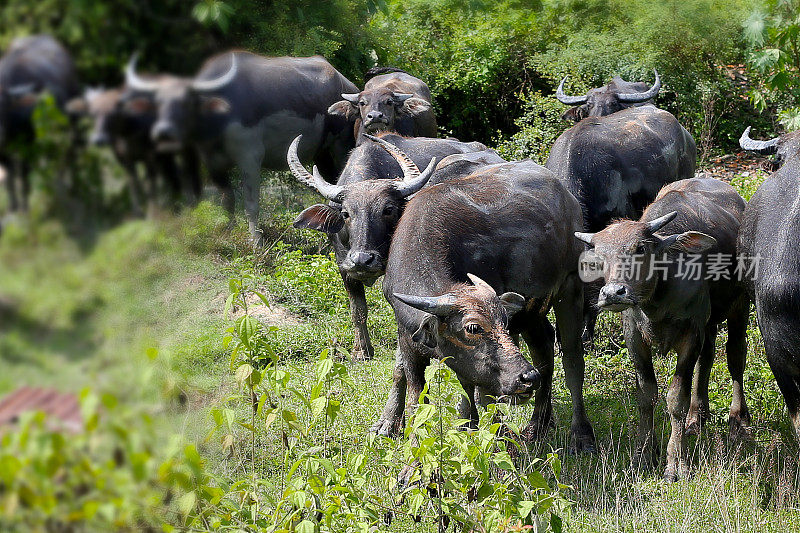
[
  {"x": 406, "y": 475},
  {"x": 696, "y": 420},
  {"x": 583, "y": 440},
  {"x": 537, "y": 428},
  {"x": 674, "y": 474},
  {"x": 644, "y": 459},
  {"x": 363, "y": 353},
  {"x": 739, "y": 427},
  {"x": 391, "y": 428}
]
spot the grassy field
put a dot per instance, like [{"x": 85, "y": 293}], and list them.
[{"x": 77, "y": 313}]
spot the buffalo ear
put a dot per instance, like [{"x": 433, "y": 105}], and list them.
[
  {"x": 343, "y": 108},
  {"x": 512, "y": 302},
  {"x": 691, "y": 242},
  {"x": 426, "y": 332},
  {"x": 320, "y": 217},
  {"x": 573, "y": 114},
  {"x": 77, "y": 106},
  {"x": 415, "y": 106},
  {"x": 138, "y": 105},
  {"x": 214, "y": 105}
]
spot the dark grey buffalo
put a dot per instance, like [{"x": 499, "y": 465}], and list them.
[
  {"x": 123, "y": 121},
  {"x": 665, "y": 274},
  {"x": 615, "y": 164},
  {"x": 602, "y": 101},
  {"x": 769, "y": 235},
  {"x": 366, "y": 203},
  {"x": 509, "y": 224},
  {"x": 244, "y": 109},
  {"x": 30, "y": 67},
  {"x": 391, "y": 101}
]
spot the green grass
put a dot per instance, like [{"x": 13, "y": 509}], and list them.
[{"x": 73, "y": 315}]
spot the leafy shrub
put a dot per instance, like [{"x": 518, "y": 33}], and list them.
[
  {"x": 468, "y": 478},
  {"x": 113, "y": 475},
  {"x": 539, "y": 127}
]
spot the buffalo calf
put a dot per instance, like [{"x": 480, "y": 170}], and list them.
[{"x": 673, "y": 277}]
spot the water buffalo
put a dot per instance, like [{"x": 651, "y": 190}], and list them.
[
  {"x": 509, "y": 224},
  {"x": 392, "y": 100},
  {"x": 31, "y": 66},
  {"x": 615, "y": 165},
  {"x": 616, "y": 96},
  {"x": 122, "y": 121},
  {"x": 244, "y": 109},
  {"x": 366, "y": 204},
  {"x": 668, "y": 303},
  {"x": 769, "y": 235}
]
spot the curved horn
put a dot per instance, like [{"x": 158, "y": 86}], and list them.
[
  {"x": 436, "y": 305},
  {"x": 401, "y": 97},
  {"x": 410, "y": 169},
  {"x": 633, "y": 98},
  {"x": 407, "y": 187},
  {"x": 19, "y": 90},
  {"x": 655, "y": 225},
  {"x": 220, "y": 82},
  {"x": 478, "y": 282},
  {"x": 133, "y": 80},
  {"x": 585, "y": 237},
  {"x": 351, "y": 97},
  {"x": 569, "y": 100},
  {"x": 762, "y": 147},
  {"x": 315, "y": 181}
]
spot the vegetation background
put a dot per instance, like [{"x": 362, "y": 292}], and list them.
[{"x": 216, "y": 391}]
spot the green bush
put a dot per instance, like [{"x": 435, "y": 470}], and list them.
[{"x": 539, "y": 127}]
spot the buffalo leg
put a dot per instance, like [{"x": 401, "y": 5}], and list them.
[
  {"x": 736, "y": 351},
  {"x": 134, "y": 187},
  {"x": 569, "y": 319},
  {"x": 539, "y": 337},
  {"x": 678, "y": 398},
  {"x": 390, "y": 424},
  {"x": 362, "y": 347},
  {"x": 784, "y": 364},
  {"x": 250, "y": 166},
  {"x": 467, "y": 405},
  {"x": 11, "y": 183},
  {"x": 646, "y": 452},
  {"x": 699, "y": 407},
  {"x": 190, "y": 176},
  {"x": 590, "y": 294}
]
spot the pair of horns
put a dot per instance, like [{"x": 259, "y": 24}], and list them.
[
  {"x": 135, "y": 82},
  {"x": 443, "y": 305},
  {"x": 631, "y": 98},
  {"x": 413, "y": 180},
  {"x": 652, "y": 227},
  {"x": 762, "y": 147},
  {"x": 399, "y": 97}
]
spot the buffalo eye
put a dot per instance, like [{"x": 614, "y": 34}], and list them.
[
  {"x": 345, "y": 214},
  {"x": 640, "y": 249},
  {"x": 388, "y": 210},
  {"x": 362, "y": 103},
  {"x": 473, "y": 329}
]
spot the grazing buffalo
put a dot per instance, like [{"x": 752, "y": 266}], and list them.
[
  {"x": 31, "y": 66},
  {"x": 616, "y": 96},
  {"x": 769, "y": 235},
  {"x": 615, "y": 165},
  {"x": 244, "y": 109},
  {"x": 673, "y": 292},
  {"x": 509, "y": 224},
  {"x": 392, "y": 100},
  {"x": 366, "y": 204},
  {"x": 123, "y": 122}
]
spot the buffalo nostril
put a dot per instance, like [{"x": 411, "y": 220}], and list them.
[{"x": 621, "y": 291}]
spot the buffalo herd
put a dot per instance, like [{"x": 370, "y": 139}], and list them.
[{"x": 474, "y": 250}]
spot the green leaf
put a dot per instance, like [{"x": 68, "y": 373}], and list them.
[{"x": 306, "y": 526}]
